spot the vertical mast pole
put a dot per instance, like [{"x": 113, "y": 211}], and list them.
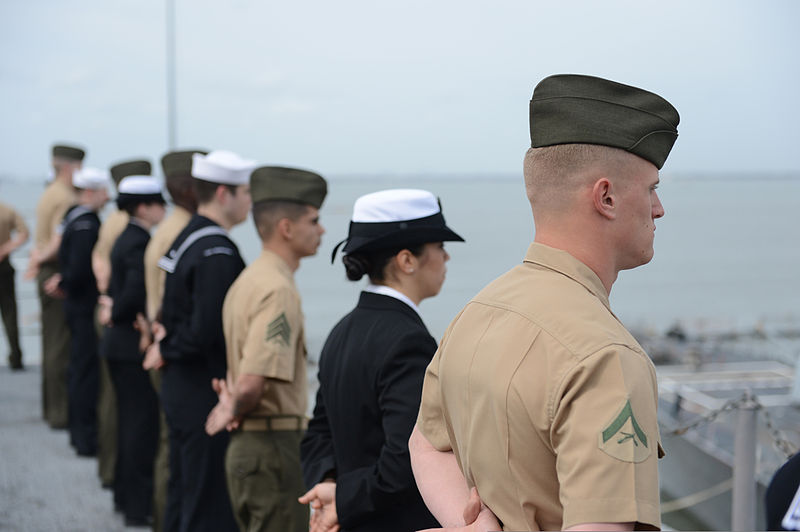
[{"x": 170, "y": 63}]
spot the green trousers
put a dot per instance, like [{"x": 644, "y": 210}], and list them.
[
  {"x": 265, "y": 480},
  {"x": 8, "y": 308},
  {"x": 106, "y": 426},
  {"x": 55, "y": 353}
]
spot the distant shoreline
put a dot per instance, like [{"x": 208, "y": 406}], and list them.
[{"x": 398, "y": 178}]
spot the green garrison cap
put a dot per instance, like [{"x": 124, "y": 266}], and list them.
[
  {"x": 574, "y": 109},
  {"x": 68, "y": 152},
  {"x": 137, "y": 167},
  {"x": 287, "y": 184},
  {"x": 178, "y": 163}
]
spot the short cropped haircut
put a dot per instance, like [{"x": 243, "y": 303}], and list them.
[
  {"x": 130, "y": 208},
  {"x": 267, "y": 214},
  {"x": 554, "y": 173},
  {"x": 205, "y": 190},
  {"x": 182, "y": 190},
  {"x": 59, "y": 163}
]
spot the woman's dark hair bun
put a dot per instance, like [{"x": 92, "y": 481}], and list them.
[{"x": 356, "y": 266}]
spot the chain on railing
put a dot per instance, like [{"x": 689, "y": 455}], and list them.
[
  {"x": 730, "y": 405},
  {"x": 746, "y": 400},
  {"x": 780, "y": 443}
]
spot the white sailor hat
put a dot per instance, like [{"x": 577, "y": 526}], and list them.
[
  {"x": 223, "y": 167},
  {"x": 139, "y": 189},
  {"x": 91, "y": 178},
  {"x": 396, "y": 218}
]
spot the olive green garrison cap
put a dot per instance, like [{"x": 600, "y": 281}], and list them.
[
  {"x": 287, "y": 184},
  {"x": 576, "y": 109},
  {"x": 177, "y": 163},
  {"x": 137, "y": 167},
  {"x": 71, "y": 153}
]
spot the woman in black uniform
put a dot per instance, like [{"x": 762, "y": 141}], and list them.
[
  {"x": 355, "y": 453},
  {"x": 137, "y": 403}
]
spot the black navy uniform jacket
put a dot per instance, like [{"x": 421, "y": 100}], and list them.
[
  {"x": 370, "y": 373},
  {"x": 194, "y": 347},
  {"x": 80, "y": 229},
  {"x": 126, "y": 288}
]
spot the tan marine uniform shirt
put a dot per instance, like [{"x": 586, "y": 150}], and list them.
[
  {"x": 110, "y": 229},
  {"x": 547, "y": 401},
  {"x": 163, "y": 237},
  {"x": 57, "y": 198},
  {"x": 10, "y": 222},
  {"x": 263, "y": 322}
]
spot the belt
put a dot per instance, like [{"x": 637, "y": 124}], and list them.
[{"x": 274, "y": 423}]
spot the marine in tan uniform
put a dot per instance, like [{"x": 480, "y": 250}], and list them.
[
  {"x": 538, "y": 393},
  {"x": 263, "y": 323},
  {"x": 177, "y": 167},
  {"x": 13, "y": 234},
  {"x": 110, "y": 230},
  {"x": 43, "y": 264}
]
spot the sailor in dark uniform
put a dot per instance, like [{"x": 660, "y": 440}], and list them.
[
  {"x": 137, "y": 403},
  {"x": 355, "y": 453},
  {"x": 77, "y": 284},
  {"x": 783, "y": 497},
  {"x": 201, "y": 265}
]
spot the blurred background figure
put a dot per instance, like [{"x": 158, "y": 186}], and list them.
[
  {"x": 177, "y": 167},
  {"x": 43, "y": 264},
  {"x": 137, "y": 404},
  {"x": 77, "y": 285},
  {"x": 13, "y": 234},
  {"x": 110, "y": 229}
]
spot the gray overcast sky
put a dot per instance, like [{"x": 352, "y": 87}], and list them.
[{"x": 364, "y": 86}]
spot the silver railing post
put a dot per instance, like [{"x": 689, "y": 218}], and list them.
[{"x": 743, "y": 509}]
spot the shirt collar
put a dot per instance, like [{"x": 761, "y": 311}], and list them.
[
  {"x": 272, "y": 258},
  {"x": 564, "y": 263},
  {"x": 391, "y": 292},
  {"x": 135, "y": 221}
]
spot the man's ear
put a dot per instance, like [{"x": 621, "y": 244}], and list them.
[
  {"x": 604, "y": 198},
  {"x": 284, "y": 228},
  {"x": 220, "y": 193}
]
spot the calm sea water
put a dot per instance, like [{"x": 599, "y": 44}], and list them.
[{"x": 727, "y": 252}]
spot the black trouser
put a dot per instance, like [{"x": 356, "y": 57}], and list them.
[
  {"x": 8, "y": 308},
  {"x": 196, "y": 492},
  {"x": 82, "y": 377},
  {"x": 55, "y": 353},
  {"x": 161, "y": 470},
  {"x": 137, "y": 439}
]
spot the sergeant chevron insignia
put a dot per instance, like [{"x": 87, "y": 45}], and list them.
[
  {"x": 279, "y": 329},
  {"x": 623, "y": 437}
]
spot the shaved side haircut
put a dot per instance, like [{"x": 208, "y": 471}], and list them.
[
  {"x": 555, "y": 174},
  {"x": 267, "y": 214}
]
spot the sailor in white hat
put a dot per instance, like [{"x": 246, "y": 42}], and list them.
[
  {"x": 137, "y": 404},
  {"x": 380, "y": 349},
  {"x": 76, "y": 284},
  {"x": 201, "y": 264}
]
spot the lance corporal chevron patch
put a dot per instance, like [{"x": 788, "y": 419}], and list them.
[
  {"x": 279, "y": 330},
  {"x": 623, "y": 437}
]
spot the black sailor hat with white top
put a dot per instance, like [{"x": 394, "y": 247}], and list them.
[
  {"x": 139, "y": 189},
  {"x": 395, "y": 218}
]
